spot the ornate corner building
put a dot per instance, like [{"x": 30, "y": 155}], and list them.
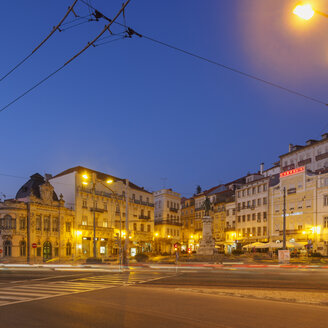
[{"x": 36, "y": 224}]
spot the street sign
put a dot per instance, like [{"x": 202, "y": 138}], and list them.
[{"x": 34, "y": 245}]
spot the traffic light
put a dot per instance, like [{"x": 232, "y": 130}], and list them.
[{"x": 189, "y": 250}]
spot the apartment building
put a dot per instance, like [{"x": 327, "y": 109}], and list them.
[
  {"x": 252, "y": 209},
  {"x": 189, "y": 237},
  {"x": 313, "y": 155},
  {"x": 91, "y": 196},
  {"x": 167, "y": 220}
]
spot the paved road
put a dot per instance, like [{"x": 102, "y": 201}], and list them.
[
  {"x": 291, "y": 279},
  {"x": 154, "y": 299}
]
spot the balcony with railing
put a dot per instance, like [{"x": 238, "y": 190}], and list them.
[
  {"x": 144, "y": 217},
  {"x": 169, "y": 222},
  {"x": 96, "y": 209}
]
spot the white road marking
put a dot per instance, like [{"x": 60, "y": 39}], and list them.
[{"x": 32, "y": 292}]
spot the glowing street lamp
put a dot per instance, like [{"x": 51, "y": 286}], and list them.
[{"x": 306, "y": 12}]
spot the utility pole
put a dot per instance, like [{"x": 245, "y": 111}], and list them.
[
  {"x": 127, "y": 234},
  {"x": 28, "y": 233},
  {"x": 284, "y": 221},
  {"x": 94, "y": 215}
]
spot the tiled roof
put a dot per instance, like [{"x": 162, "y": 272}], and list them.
[{"x": 100, "y": 176}]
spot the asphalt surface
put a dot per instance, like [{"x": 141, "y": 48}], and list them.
[
  {"x": 291, "y": 279},
  {"x": 140, "y": 298}
]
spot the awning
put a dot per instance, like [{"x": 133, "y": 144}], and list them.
[{"x": 256, "y": 245}]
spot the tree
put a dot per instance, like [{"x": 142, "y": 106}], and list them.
[{"x": 198, "y": 189}]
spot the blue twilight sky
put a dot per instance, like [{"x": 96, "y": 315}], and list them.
[{"x": 138, "y": 110}]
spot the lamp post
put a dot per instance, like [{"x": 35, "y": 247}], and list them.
[
  {"x": 306, "y": 12},
  {"x": 85, "y": 181}
]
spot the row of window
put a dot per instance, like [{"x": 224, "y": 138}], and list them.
[
  {"x": 186, "y": 212},
  {"x": 252, "y": 190},
  {"x": 253, "y": 232},
  {"x": 252, "y": 203},
  {"x": 169, "y": 204},
  {"x": 173, "y": 232},
  {"x": 142, "y": 227},
  {"x": 292, "y": 205},
  {"x": 252, "y": 217}
]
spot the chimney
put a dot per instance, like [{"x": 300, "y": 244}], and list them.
[
  {"x": 261, "y": 168},
  {"x": 290, "y": 148},
  {"x": 47, "y": 176}
]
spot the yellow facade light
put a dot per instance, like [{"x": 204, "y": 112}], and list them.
[
  {"x": 191, "y": 237},
  {"x": 303, "y": 232},
  {"x": 304, "y": 11},
  {"x": 156, "y": 234},
  {"x": 85, "y": 183},
  {"x": 85, "y": 176},
  {"x": 109, "y": 181},
  {"x": 251, "y": 235},
  {"x": 78, "y": 233},
  {"x": 130, "y": 237},
  {"x": 169, "y": 236}
]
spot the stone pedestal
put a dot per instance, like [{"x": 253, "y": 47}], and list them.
[{"x": 207, "y": 243}]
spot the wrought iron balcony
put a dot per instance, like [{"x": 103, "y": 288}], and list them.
[{"x": 144, "y": 217}]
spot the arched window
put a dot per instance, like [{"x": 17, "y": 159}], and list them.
[
  {"x": 7, "y": 247},
  {"x": 68, "y": 249},
  {"x": 7, "y": 222},
  {"x": 22, "y": 248}
]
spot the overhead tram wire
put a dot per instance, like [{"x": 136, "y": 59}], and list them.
[
  {"x": 55, "y": 28},
  {"x": 69, "y": 61},
  {"x": 131, "y": 32}
]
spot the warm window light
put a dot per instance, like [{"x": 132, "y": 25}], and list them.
[
  {"x": 304, "y": 11},
  {"x": 251, "y": 235},
  {"x": 109, "y": 181}
]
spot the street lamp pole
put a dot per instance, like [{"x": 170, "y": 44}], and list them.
[
  {"x": 127, "y": 239},
  {"x": 94, "y": 215},
  {"x": 284, "y": 221}
]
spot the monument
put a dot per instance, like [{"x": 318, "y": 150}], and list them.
[{"x": 207, "y": 243}]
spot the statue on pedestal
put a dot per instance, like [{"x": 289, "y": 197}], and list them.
[{"x": 207, "y": 244}]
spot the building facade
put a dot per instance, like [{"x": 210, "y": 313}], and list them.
[
  {"x": 252, "y": 209},
  {"x": 313, "y": 155},
  {"x": 168, "y": 226},
  {"x": 102, "y": 198},
  {"x": 188, "y": 239},
  {"x": 36, "y": 225}
]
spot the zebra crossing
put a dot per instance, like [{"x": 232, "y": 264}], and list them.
[{"x": 38, "y": 291}]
